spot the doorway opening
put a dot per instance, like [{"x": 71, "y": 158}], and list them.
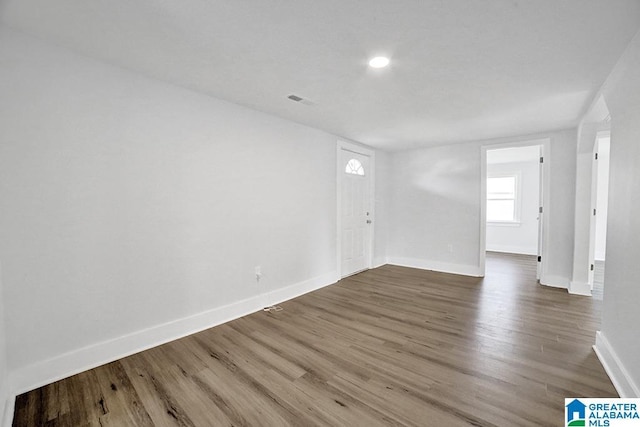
[{"x": 513, "y": 206}]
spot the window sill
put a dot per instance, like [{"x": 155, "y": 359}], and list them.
[{"x": 504, "y": 223}]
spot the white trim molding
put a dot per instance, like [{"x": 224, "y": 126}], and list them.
[
  {"x": 379, "y": 262},
  {"x": 580, "y": 288},
  {"x": 442, "y": 267},
  {"x": 554, "y": 281},
  {"x": 80, "y": 360},
  {"x": 622, "y": 381},
  {"x": 545, "y": 201}
]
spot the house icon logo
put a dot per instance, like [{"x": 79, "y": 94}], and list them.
[{"x": 576, "y": 413}]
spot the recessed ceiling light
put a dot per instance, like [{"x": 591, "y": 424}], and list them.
[{"x": 379, "y": 62}]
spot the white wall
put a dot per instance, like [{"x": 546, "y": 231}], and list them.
[
  {"x": 435, "y": 200},
  {"x": 584, "y": 222},
  {"x": 382, "y": 209},
  {"x": 619, "y": 341},
  {"x": 560, "y": 209},
  {"x": 520, "y": 238},
  {"x": 602, "y": 199},
  {"x": 435, "y": 208},
  {"x": 4, "y": 377},
  {"x": 128, "y": 203}
]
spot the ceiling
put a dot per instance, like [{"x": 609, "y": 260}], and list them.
[{"x": 461, "y": 69}]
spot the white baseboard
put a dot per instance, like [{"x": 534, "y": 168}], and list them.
[
  {"x": 622, "y": 381},
  {"x": 512, "y": 249},
  {"x": 379, "y": 262},
  {"x": 580, "y": 288},
  {"x": 443, "y": 267},
  {"x": 294, "y": 291},
  {"x": 554, "y": 281},
  {"x": 65, "y": 365}
]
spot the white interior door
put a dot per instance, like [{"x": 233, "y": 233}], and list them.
[{"x": 356, "y": 220}]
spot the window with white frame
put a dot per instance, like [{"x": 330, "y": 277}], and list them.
[
  {"x": 502, "y": 198},
  {"x": 354, "y": 167}
]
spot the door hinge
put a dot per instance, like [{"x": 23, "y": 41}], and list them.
[
  {"x": 541, "y": 159},
  {"x": 594, "y": 211},
  {"x": 592, "y": 267},
  {"x": 596, "y": 156},
  {"x": 539, "y": 258},
  {"x": 540, "y": 210}
]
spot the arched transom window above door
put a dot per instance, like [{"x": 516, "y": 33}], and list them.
[{"x": 354, "y": 167}]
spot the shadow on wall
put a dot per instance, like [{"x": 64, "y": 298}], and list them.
[{"x": 448, "y": 178}]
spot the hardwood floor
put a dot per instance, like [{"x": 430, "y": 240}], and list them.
[{"x": 390, "y": 346}]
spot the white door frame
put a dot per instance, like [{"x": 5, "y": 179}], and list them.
[
  {"x": 354, "y": 148},
  {"x": 595, "y": 177},
  {"x": 545, "y": 202}
]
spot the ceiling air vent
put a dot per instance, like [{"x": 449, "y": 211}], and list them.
[{"x": 300, "y": 99}]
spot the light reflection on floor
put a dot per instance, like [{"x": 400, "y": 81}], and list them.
[{"x": 510, "y": 279}]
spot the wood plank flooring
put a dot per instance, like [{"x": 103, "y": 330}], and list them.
[{"x": 390, "y": 346}]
